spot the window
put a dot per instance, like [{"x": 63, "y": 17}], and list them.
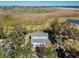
[{"x": 40, "y": 37}]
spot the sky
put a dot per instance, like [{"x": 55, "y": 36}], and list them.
[{"x": 39, "y": 3}]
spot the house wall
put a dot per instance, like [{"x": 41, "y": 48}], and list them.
[
  {"x": 36, "y": 41},
  {"x": 39, "y": 38}
]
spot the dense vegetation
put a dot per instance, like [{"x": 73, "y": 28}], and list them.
[
  {"x": 62, "y": 35},
  {"x": 13, "y": 45},
  {"x": 15, "y": 33}
]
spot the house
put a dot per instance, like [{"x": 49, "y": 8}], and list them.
[{"x": 39, "y": 38}]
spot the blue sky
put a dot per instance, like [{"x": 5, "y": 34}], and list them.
[{"x": 39, "y": 3}]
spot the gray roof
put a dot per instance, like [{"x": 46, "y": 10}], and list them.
[
  {"x": 40, "y": 40},
  {"x": 39, "y": 34}
]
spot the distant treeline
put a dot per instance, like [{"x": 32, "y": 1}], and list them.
[{"x": 37, "y": 6}]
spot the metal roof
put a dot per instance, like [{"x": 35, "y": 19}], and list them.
[
  {"x": 39, "y": 34},
  {"x": 41, "y": 39}
]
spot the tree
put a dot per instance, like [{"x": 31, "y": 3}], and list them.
[
  {"x": 17, "y": 39},
  {"x": 48, "y": 52},
  {"x": 2, "y": 34}
]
